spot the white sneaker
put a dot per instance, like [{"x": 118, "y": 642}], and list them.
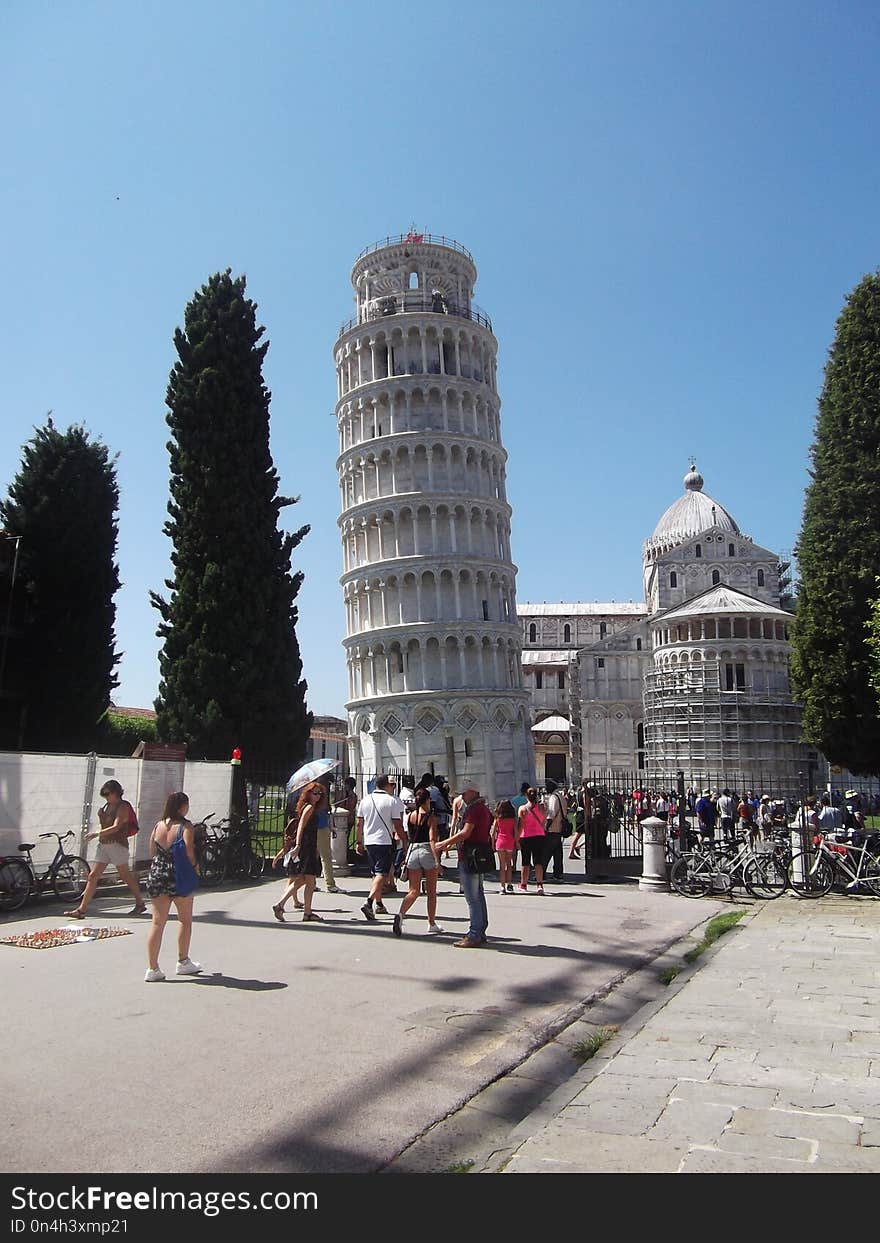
[
  {"x": 188, "y": 967},
  {"x": 434, "y": 929},
  {"x": 154, "y": 976}
]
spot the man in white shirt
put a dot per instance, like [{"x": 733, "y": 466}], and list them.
[
  {"x": 379, "y": 828},
  {"x": 555, "y": 809},
  {"x": 725, "y": 812}
]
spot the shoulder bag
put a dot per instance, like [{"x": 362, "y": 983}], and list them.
[
  {"x": 478, "y": 857},
  {"x": 186, "y": 878}
]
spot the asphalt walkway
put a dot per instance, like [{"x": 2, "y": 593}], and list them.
[{"x": 337, "y": 1047}]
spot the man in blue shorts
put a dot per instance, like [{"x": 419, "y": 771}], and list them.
[{"x": 379, "y": 828}]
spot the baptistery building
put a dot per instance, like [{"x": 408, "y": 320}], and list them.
[
  {"x": 695, "y": 679},
  {"x": 432, "y": 639}
]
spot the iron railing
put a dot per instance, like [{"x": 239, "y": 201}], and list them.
[
  {"x": 416, "y": 239},
  {"x": 411, "y": 302}
]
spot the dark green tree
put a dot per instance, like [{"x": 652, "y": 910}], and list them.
[
  {"x": 838, "y": 548},
  {"x": 60, "y": 657},
  {"x": 231, "y": 673}
]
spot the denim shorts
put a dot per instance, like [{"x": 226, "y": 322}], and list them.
[
  {"x": 381, "y": 859},
  {"x": 420, "y": 855}
]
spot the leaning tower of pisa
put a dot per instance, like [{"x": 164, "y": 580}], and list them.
[{"x": 432, "y": 641}]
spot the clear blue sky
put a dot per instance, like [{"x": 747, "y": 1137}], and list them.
[{"x": 667, "y": 203}]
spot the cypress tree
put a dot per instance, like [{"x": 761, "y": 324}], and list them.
[
  {"x": 231, "y": 673},
  {"x": 839, "y": 545},
  {"x": 60, "y": 657}
]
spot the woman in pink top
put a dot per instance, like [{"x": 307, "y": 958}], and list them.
[
  {"x": 530, "y": 822},
  {"x": 505, "y": 839}
]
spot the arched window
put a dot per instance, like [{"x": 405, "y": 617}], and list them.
[
  {"x": 539, "y": 681},
  {"x": 603, "y": 629},
  {"x": 413, "y": 280},
  {"x": 698, "y": 551},
  {"x": 716, "y": 577},
  {"x": 533, "y": 633},
  {"x": 673, "y": 579},
  {"x": 566, "y": 633},
  {"x": 638, "y": 645},
  {"x": 760, "y": 578},
  {"x": 731, "y": 551}
]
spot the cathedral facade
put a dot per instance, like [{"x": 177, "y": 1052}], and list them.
[{"x": 693, "y": 680}]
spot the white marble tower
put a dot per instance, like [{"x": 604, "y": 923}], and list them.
[{"x": 432, "y": 639}]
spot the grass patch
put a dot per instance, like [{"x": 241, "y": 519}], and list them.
[
  {"x": 585, "y": 1049},
  {"x": 716, "y": 928},
  {"x": 668, "y": 974},
  {"x": 460, "y": 1167}
]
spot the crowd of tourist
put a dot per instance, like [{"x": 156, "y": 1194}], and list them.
[{"x": 404, "y": 834}]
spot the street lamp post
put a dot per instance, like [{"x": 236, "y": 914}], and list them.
[{"x": 16, "y": 539}]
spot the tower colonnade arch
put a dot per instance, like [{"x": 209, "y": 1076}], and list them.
[
  {"x": 419, "y": 595},
  {"x": 421, "y": 464},
  {"x": 425, "y": 344},
  {"x": 428, "y": 582},
  {"x": 454, "y": 408},
  {"x": 434, "y": 528}
]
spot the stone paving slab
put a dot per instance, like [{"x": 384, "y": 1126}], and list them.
[
  {"x": 691, "y": 1121},
  {"x": 774, "y": 1148},
  {"x": 845, "y": 1157},
  {"x": 562, "y": 1148},
  {"x": 631, "y": 1115},
  {"x": 714, "y": 1161},
  {"x": 796, "y": 1124},
  {"x": 782, "y": 1014}
]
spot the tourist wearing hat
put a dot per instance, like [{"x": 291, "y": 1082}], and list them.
[{"x": 473, "y": 824}]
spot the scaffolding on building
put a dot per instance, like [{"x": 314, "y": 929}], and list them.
[{"x": 696, "y": 724}]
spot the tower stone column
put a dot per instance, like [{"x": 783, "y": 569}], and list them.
[{"x": 428, "y": 582}]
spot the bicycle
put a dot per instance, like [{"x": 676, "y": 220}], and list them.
[
  {"x": 66, "y": 874},
  {"x": 718, "y": 868},
  {"x": 813, "y": 874},
  {"x": 229, "y": 854}
]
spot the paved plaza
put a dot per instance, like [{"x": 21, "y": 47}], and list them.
[
  {"x": 764, "y": 1057},
  {"x": 337, "y": 1047}
]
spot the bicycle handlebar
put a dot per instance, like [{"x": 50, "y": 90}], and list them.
[{"x": 69, "y": 833}]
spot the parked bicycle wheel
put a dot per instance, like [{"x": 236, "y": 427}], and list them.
[
  {"x": 690, "y": 877},
  {"x": 810, "y": 877},
  {"x": 765, "y": 877},
  {"x": 871, "y": 874},
  {"x": 15, "y": 884},
  {"x": 212, "y": 864},
  {"x": 69, "y": 878}
]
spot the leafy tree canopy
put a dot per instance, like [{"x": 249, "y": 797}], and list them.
[
  {"x": 61, "y": 658},
  {"x": 231, "y": 673},
  {"x": 839, "y": 545}
]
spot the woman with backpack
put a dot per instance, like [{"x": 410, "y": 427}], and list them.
[
  {"x": 164, "y": 885},
  {"x": 118, "y": 822}
]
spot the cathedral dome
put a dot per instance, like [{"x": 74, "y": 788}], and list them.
[{"x": 691, "y": 514}]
